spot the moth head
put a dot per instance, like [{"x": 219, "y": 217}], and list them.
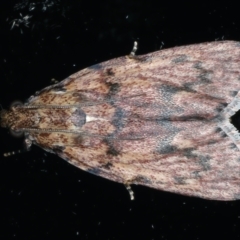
[{"x": 9, "y": 119}]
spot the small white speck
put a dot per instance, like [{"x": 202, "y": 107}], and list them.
[
  {"x": 77, "y": 233},
  {"x": 127, "y": 17},
  {"x": 31, "y": 6}
]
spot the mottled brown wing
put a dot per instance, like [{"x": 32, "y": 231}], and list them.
[{"x": 160, "y": 120}]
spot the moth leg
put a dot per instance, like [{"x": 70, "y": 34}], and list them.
[
  {"x": 135, "y": 47},
  {"x": 130, "y": 191},
  {"x": 28, "y": 144},
  {"x": 8, "y": 154}
]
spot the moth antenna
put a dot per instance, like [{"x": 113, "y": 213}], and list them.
[
  {"x": 27, "y": 144},
  {"x": 26, "y": 148},
  {"x": 135, "y": 47},
  {"x": 8, "y": 154},
  {"x": 131, "y": 193}
]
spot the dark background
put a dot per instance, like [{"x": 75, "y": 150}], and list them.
[{"x": 41, "y": 195}]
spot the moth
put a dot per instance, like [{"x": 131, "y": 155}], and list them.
[{"x": 163, "y": 120}]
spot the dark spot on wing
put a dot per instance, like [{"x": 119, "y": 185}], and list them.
[
  {"x": 169, "y": 90},
  {"x": 58, "y": 149},
  {"x": 233, "y": 93},
  {"x": 204, "y": 162},
  {"x": 218, "y": 130},
  {"x": 179, "y": 180},
  {"x": 44, "y": 134},
  {"x": 111, "y": 150},
  {"x": 223, "y": 134},
  {"x": 80, "y": 96},
  {"x": 196, "y": 174},
  {"x": 78, "y": 140},
  {"x": 164, "y": 144},
  {"x": 212, "y": 142},
  {"x": 198, "y": 65},
  {"x": 233, "y": 145},
  {"x": 188, "y": 87},
  {"x": 205, "y": 76},
  {"x": 141, "y": 180},
  {"x": 221, "y": 106},
  {"x": 107, "y": 165},
  {"x": 113, "y": 89},
  {"x": 224, "y": 104},
  {"x": 118, "y": 118},
  {"x": 187, "y": 152},
  {"x": 168, "y": 149},
  {"x": 180, "y": 59},
  {"x": 190, "y": 118},
  {"x": 78, "y": 118},
  {"x": 110, "y": 72}
]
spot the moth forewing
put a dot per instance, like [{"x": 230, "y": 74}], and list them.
[{"x": 161, "y": 120}]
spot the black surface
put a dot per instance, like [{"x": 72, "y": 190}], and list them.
[{"x": 41, "y": 195}]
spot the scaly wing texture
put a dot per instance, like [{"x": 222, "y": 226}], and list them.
[{"x": 160, "y": 120}]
